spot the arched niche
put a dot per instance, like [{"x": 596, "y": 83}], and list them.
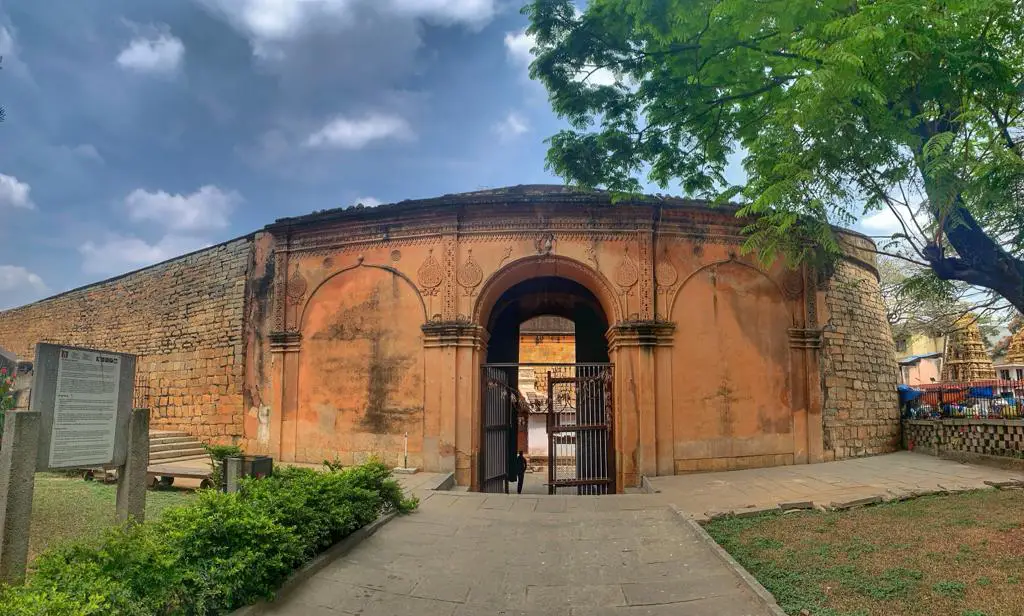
[
  {"x": 360, "y": 377},
  {"x": 732, "y": 376}
]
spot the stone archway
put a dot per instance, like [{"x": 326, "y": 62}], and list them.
[{"x": 579, "y": 460}]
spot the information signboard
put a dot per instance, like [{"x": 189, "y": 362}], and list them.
[{"x": 85, "y": 399}]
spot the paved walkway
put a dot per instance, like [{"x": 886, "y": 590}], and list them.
[
  {"x": 887, "y": 477},
  {"x": 473, "y": 555},
  {"x": 466, "y": 554}
]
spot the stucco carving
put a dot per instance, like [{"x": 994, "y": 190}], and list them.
[
  {"x": 470, "y": 275},
  {"x": 297, "y": 287},
  {"x": 793, "y": 284},
  {"x": 545, "y": 244},
  {"x": 396, "y": 256},
  {"x": 450, "y": 284},
  {"x": 429, "y": 275},
  {"x": 592, "y": 253},
  {"x": 505, "y": 256},
  {"x": 626, "y": 274}
]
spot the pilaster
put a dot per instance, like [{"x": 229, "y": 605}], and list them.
[
  {"x": 634, "y": 348},
  {"x": 452, "y": 352}
]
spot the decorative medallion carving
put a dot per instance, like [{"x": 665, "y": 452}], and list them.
[
  {"x": 545, "y": 243},
  {"x": 470, "y": 275},
  {"x": 430, "y": 275},
  {"x": 396, "y": 256},
  {"x": 296, "y": 287},
  {"x": 664, "y": 272},
  {"x": 328, "y": 263},
  {"x": 626, "y": 274},
  {"x": 793, "y": 284}
]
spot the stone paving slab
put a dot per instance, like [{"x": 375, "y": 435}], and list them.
[
  {"x": 470, "y": 554},
  {"x": 896, "y": 475},
  {"x": 465, "y": 554}
]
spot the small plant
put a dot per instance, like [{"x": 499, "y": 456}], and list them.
[
  {"x": 953, "y": 590},
  {"x": 6, "y": 395},
  {"x": 334, "y": 465},
  {"x": 217, "y": 454}
]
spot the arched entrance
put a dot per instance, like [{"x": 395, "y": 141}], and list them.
[{"x": 571, "y": 393}]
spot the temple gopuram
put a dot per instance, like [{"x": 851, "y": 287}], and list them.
[{"x": 966, "y": 358}]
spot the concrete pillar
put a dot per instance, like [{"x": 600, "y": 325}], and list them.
[
  {"x": 18, "y": 452},
  {"x": 131, "y": 478}
]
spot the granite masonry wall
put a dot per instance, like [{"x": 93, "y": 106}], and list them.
[
  {"x": 861, "y": 408},
  {"x": 183, "y": 318}
]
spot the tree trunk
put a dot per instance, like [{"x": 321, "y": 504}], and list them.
[{"x": 980, "y": 260}]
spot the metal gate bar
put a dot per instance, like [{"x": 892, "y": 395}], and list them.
[{"x": 578, "y": 416}]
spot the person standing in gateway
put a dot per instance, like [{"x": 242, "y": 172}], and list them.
[{"x": 520, "y": 472}]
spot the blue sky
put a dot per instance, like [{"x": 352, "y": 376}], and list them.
[{"x": 138, "y": 130}]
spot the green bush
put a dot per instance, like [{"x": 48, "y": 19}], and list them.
[{"x": 216, "y": 554}]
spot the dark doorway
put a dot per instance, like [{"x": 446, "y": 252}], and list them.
[{"x": 574, "y": 396}]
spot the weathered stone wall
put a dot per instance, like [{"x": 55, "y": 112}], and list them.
[
  {"x": 183, "y": 318},
  {"x": 967, "y": 439},
  {"x": 861, "y": 408}
]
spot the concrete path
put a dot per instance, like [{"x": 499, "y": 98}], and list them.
[
  {"x": 890, "y": 476},
  {"x": 472, "y": 555}
]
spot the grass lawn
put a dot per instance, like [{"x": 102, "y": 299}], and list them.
[
  {"x": 958, "y": 555},
  {"x": 68, "y": 509}
]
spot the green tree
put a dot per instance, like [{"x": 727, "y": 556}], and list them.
[{"x": 838, "y": 108}]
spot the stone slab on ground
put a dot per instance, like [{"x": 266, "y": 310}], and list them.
[
  {"x": 470, "y": 554},
  {"x": 887, "y": 477}
]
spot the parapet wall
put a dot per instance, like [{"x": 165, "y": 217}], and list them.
[{"x": 183, "y": 318}]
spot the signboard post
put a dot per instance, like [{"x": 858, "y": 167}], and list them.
[{"x": 80, "y": 415}]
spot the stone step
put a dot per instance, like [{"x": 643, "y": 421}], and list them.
[
  {"x": 177, "y": 453},
  {"x": 171, "y": 439},
  {"x": 176, "y": 446},
  {"x": 167, "y": 433}
]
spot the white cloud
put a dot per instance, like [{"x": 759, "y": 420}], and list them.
[
  {"x": 512, "y": 126},
  {"x": 7, "y": 46},
  {"x": 518, "y": 46},
  {"x": 162, "y": 53},
  {"x": 367, "y": 201},
  {"x": 118, "y": 254},
  {"x": 355, "y": 133},
  {"x": 471, "y": 12},
  {"x": 268, "y": 23},
  {"x": 206, "y": 209},
  {"x": 15, "y": 278},
  {"x": 14, "y": 193},
  {"x": 883, "y": 222}
]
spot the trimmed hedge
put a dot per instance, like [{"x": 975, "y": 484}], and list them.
[{"x": 218, "y": 553}]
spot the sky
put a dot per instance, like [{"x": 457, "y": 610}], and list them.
[{"x": 139, "y": 130}]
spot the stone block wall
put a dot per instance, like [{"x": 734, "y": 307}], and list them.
[
  {"x": 860, "y": 406},
  {"x": 183, "y": 318}
]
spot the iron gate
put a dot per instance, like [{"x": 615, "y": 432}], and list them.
[
  {"x": 577, "y": 412},
  {"x": 501, "y": 403},
  {"x": 581, "y": 452}
]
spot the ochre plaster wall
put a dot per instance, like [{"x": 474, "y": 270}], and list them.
[
  {"x": 183, "y": 318},
  {"x": 732, "y": 380}
]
